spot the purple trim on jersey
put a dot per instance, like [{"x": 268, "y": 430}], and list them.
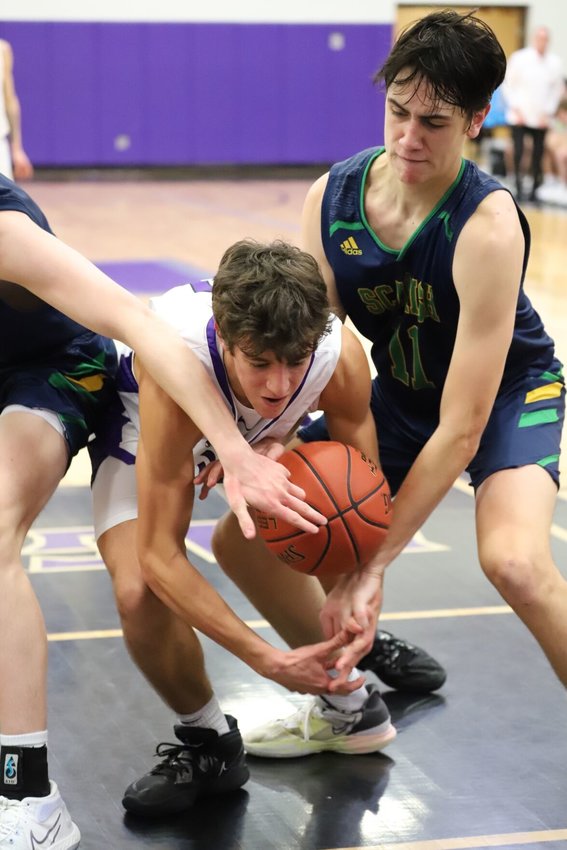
[
  {"x": 222, "y": 378},
  {"x": 203, "y": 285},
  {"x": 125, "y": 380},
  {"x": 126, "y": 457},
  {"x": 218, "y": 365},
  {"x": 108, "y": 438}
]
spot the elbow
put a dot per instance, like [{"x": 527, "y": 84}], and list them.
[
  {"x": 469, "y": 438},
  {"x": 466, "y": 437},
  {"x": 149, "y": 566},
  {"x": 470, "y": 443}
]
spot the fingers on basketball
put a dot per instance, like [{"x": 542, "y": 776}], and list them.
[{"x": 350, "y": 491}]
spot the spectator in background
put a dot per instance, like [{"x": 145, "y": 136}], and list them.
[
  {"x": 494, "y": 150},
  {"x": 14, "y": 162},
  {"x": 532, "y": 88},
  {"x": 556, "y": 157}
]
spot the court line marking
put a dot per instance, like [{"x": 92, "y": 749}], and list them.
[
  {"x": 263, "y": 624},
  {"x": 86, "y": 558},
  {"x": 472, "y": 842}
]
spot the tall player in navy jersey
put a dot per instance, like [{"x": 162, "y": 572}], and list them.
[{"x": 427, "y": 254}]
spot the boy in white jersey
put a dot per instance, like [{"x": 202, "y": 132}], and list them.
[{"x": 267, "y": 338}]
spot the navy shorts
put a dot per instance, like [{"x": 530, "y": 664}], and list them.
[
  {"x": 75, "y": 382},
  {"x": 524, "y": 428}
]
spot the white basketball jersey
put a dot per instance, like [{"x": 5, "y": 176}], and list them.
[{"x": 190, "y": 312}]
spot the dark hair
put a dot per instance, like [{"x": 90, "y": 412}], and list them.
[
  {"x": 458, "y": 57},
  {"x": 270, "y": 297}
]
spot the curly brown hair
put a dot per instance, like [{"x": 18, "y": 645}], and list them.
[{"x": 270, "y": 297}]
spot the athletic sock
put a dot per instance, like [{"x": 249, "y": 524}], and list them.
[
  {"x": 23, "y": 766},
  {"x": 210, "y": 716},
  {"x": 349, "y": 703}
]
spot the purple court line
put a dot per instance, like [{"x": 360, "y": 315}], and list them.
[
  {"x": 147, "y": 277},
  {"x": 61, "y": 548}
]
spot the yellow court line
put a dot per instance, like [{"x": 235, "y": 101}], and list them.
[
  {"x": 103, "y": 633},
  {"x": 263, "y": 624},
  {"x": 472, "y": 842},
  {"x": 441, "y": 613}
]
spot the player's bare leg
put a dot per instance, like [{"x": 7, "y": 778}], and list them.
[
  {"x": 289, "y": 600},
  {"x": 166, "y": 649},
  {"x": 33, "y": 458},
  {"x": 209, "y": 755},
  {"x": 514, "y": 511}
]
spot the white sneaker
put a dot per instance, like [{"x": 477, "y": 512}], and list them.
[
  {"x": 37, "y": 823},
  {"x": 317, "y": 726}
]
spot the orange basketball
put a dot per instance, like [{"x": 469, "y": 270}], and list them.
[{"x": 350, "y": 491}]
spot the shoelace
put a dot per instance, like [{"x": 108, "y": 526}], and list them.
[
  {"x": 9, "y": 815},
  {"x": 175, "y": 757},
  {"x": 301, "y": 719},
  {"x": 393, "y": 650}
]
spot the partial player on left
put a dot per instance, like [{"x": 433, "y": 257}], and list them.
[{"x": 55, "y": 372}]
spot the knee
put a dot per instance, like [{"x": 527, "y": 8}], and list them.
[
  {"x": 132, "y": 597},
  {"x": 221, "y": 545},
  {"x": 520, "y": 577},
  {"x": 15, "y": 522}
]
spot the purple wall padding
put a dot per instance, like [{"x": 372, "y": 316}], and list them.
[{"x": 186, "y": 94}]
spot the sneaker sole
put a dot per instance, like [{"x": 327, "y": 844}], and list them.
[
  {"x": 231, "y": 781},
  {"x": 358, "y": 744}
]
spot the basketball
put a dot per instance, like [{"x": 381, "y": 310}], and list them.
[{"x": 350, "y": 491}]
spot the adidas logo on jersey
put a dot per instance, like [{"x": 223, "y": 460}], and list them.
[{"x": 350, "y": 247}]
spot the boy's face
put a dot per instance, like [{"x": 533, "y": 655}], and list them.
[
  {"x": 264, "y": 382},
  {"x": 424, "y": 137}
]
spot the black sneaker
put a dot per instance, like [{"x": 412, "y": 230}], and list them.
[
  {"x": 402, "y": 665},
  {"x": 204, "y": 763}
]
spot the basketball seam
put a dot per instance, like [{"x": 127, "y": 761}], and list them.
[
  {"x": 340, "y": 513},
  {"x": 355, "y": 506}
]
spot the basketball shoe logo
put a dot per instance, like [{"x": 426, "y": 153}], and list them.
[
  {"x": 11, "y": 769},
  {"x": 48, "y": 839},
  {"x": 350, "y": 247}
]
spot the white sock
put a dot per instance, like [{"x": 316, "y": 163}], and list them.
[
  {"x": 29, "y": 739},
  {"x": 349, "y": 703},
  {"x": 209, "y": 716}
]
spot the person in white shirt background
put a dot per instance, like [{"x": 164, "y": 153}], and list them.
[
  {"x": 533, "y": 87},
  {"x": 14, "y": 162}
]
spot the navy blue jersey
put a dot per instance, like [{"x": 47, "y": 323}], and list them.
[
  {"x": 405, "y": 300},
  {"x": 29, "y": 328}
]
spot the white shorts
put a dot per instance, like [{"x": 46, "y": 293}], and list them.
[
  {"x": 115, "y": 498},
  {"x": 113, "y": 454}
]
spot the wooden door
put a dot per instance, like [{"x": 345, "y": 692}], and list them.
[{"x": 508, "y": 22}]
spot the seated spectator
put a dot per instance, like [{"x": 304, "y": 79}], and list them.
[{"x": 556, "y": 155}]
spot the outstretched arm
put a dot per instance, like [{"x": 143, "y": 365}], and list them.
[
  {"x": 164, "y": 468},
  {"x": 43, "y": 264}
]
